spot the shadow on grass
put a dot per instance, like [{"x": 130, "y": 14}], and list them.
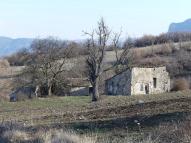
[{"x": 132, "y": 124}]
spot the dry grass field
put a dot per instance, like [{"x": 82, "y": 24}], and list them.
[
  {"x": 120, "y": 119},
  {"x": 80, "y": 109}
]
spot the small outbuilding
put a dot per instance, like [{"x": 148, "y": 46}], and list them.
[
  {"x": 80, "y": 87},
  {"x": 139, "y": 80}
]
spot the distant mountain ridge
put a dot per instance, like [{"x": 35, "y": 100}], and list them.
[
  {"x": 9, "y": 46},
  {"x": 180, "y": 27}
]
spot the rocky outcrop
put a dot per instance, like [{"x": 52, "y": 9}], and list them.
[{"x": 181, "y": 27}]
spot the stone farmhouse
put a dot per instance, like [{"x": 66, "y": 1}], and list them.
[{"x": 139, "y": 80}]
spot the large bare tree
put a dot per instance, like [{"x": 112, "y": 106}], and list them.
[
  {"x": 97, "y": 44},
  {"x": 99, "y": 40}
]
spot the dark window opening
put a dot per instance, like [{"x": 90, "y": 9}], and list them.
[
  {"x": 90, "y": 90},
  {"x": 155, "y": 82}
]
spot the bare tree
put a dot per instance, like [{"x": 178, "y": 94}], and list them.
[
  {"x": 96, "y": 47},
  {"x": 19, "y": 58},
  {"x": 97, "y": 44},
  {"x": 124, "y": 55},
  {"x": 49, "y": 61}
]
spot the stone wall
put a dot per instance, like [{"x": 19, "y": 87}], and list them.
[
  {"x": 119, "y": 84},
  {"x": 143, "y": 80},
  {"x": 79, "y": 91},
  {"x": 139, "y": 81}
]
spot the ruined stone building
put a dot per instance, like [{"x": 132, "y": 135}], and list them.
[{"x": 139, "y": 80}]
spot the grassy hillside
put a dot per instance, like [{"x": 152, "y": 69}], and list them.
[{"x": 112, "y": 117}]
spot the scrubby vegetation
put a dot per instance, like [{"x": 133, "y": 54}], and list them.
[
  {"x": 176, "y": 57},
  {"x": 59, "y": 136},
  {"x": 149, "y": 40},
  {"x": 4, "y": 63},
  {"x": 181, "y": 84}
]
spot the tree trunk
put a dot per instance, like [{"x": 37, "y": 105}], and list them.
[
  {"x": 49, "y": 91},
  {"x": 37, "y": 91},
  {"x": 95, "y": 94},
  {"x": 49, "y": 88}
]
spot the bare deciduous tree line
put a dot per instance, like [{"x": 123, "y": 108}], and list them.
[{"x": 48, "y": 61}]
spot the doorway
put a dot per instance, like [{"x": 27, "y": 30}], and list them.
[{"x": 147, "y": 89}]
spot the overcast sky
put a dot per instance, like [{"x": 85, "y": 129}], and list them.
[{"x": 67, "y": 19}]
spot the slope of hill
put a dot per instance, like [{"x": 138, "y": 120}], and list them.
[
  {"x": 181, "y": 27},
  {"x": 9, "y": 45},
  {"x": 7, "y": 79}
]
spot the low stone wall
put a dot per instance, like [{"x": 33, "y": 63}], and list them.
[{"x": 79, "y": 91}]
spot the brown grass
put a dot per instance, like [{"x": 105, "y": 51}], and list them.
[
  {"x": 4, "y": 64},
  {"x": 181, "y": 84},
  {"x": 164, "y": 133},
  {"x": 16, "y": 135},
  {"x": 164, "y": 49},
  {"x": 43, "y": 136},
  {"x": 59, "y": 136}
]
